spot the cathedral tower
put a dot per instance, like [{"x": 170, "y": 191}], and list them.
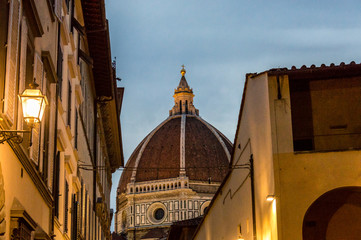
[{"x": 183, "y": 98}]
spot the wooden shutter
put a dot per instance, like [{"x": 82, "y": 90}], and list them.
[
  {"x": 12, "y": 61},
  {"x": 52, "y": 133},
  {"x": 66, "y": 207},
  {"x": 44, "y": 130},
  {"x": 23, "y": 50},
  {"x": 69, "y": 103},
  {"x": 38, "y": 75},
  {"x": 57, "y": 9},
  {"x": 74, "y": 218},
  {"x": 76, "y": 129},
  {"x": 2, "y": 207},
  {"x": 22, "y": 75},
  {"x": 56, "y": 181}
]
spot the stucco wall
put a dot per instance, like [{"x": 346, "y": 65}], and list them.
[
  {"x": 305, "y": 177},
  {"x": 232, "y": 207},
  {"x": 18, "y": 185}
]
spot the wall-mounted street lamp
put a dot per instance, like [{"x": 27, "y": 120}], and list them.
[
  {"x": 240, "y": 237},
  {"x": 33, "y": 103},
  {"x": 270, "y": 198}
]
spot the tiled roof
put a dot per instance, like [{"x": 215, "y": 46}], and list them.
[
  {"x": 97, "y": 32},
  {"x": 323, "y": 71},
  {"x": 188, "y": 222},
  {"x": 183, "y": 83},
  {"x": 108, "y": 96},
  {"x": 155, "y": 233}
]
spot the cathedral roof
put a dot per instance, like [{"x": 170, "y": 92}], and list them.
[
  {"x": 182, "y": 145},
  {"x": 183, "y": 83}
]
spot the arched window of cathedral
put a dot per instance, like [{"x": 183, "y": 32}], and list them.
[
  {"x": 186, "y": 106},
  {"x": 156, "y": 187},
  {"x": 171, "y": 186},
  {"x": 152, "y": 188},
  {"x": 167, "y": 186},
  {"x": 131, "y": 190},
  {"x": 148, "y": 188},
  {"x": 136, "y": 190},
  {"x": 180, "y": 106},
  {"x": 185, "y": 184}
]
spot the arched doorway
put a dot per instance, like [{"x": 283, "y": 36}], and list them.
[{"x": 334, "y": 215}]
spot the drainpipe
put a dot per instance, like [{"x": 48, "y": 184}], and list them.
[{"x": 253, "y": 198}]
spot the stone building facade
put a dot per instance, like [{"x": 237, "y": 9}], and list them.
[
  {"x": 58, "y": 187},
  {"x": 173, "y": 173}
]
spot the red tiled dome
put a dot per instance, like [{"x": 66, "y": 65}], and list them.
[{"x": 205, "y": 156}]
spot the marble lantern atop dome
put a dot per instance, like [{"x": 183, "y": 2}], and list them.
[{"x": 183, "y": 98}]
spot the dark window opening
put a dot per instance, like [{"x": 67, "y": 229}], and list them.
[
  {"x": 186, "y": 106},
  {"x": 159, "y": 214},
  {"x": 66, "y": 207},
  {"x": 76, "y": 130},
  {"x": 180, "y": 106},
  {"x": 60, "y": 67},
  {"x": 4, "y": 11},
  {"x": 56, "y": 184},
  {"x": 69, "y": 103},
  {"x": 21, "y": 230},
  {"x": 325, "y": 114}
]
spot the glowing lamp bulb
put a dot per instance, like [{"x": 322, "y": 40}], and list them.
[
  {"x": 270, "y": 198},
  {"x": 33, "y": 103}
]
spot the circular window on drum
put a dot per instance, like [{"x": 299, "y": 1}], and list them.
[{"x": 157, "y": 213}]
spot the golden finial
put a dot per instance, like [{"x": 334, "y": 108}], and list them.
[{"x": 183, "y": 71}]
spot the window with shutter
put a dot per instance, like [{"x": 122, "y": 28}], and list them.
[
  {"x": 52, "y": 133},
  {"x": 86, "y": 221},
  {"x": 56, "y": 184},
  {"x": 45, "y": 129},
  {"x": 38, "y": 75},
  {"x": 4, "y": 16},
  {"x": 66, "y": 206},
  {"x": 23, "y": 64},
  {"x": 69, "y": 103},
  {"x": 22, "y": 231},
  {"x": 12, "y": 61},
  {"x": 58, "y": 9},
  {"x": 74, "y": 218},
  {"x": 76, "y": 130}
]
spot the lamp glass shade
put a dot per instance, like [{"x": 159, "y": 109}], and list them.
[
  {"x": 33, "y": 103},
  {"x": 270, "y": 198}
]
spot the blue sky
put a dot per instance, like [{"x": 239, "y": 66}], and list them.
[{"x": 218, "y": 42}]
